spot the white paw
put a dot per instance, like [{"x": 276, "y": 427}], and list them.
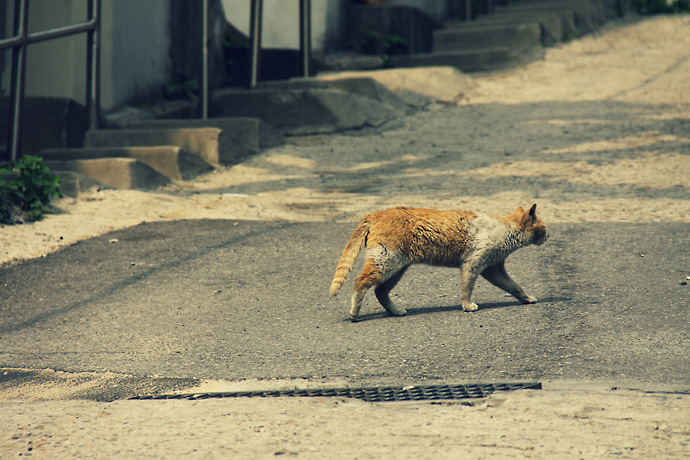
[
  {"x": 529, "y": 299},
  {"x": 394, "y": 310},
  {"x": 471, "y": 307}
]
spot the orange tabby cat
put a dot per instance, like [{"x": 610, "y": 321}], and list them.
[{"x": 397, "y": 238}]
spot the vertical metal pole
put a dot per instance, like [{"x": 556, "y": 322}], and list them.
[
  {"x": 93, "y": 66},
  {"x": 468, "y": 10},
  {"x": 204, "y": 60},
  {"x": 17, "y": 79},
  {"x": 255, "y": 37},
  {"x": 305, "y": 35}
]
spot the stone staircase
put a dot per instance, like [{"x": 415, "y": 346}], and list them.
[
  {"x": 511, "y": 35},
  {"x": 150, "y": 153}
]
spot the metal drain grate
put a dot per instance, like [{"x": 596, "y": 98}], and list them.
[{"x": 409, "y": 393}]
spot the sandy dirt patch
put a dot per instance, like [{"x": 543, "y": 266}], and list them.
[{"x": 524, "y": 424}]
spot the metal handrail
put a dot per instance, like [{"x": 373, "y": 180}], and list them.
[{"x": 18, "y": 43}]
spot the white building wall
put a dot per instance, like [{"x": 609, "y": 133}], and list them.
[
  {"x": 57, "y": 67},
  {"x": 281, "y": 22},
  {"x": 135, "y": 58}
]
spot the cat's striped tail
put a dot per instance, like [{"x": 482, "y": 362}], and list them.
[{"x": 350, "y": 253}]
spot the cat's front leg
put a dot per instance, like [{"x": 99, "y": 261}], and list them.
[
  {"x": 467, "y": 281},
  {"x": 499, "y": 277}
]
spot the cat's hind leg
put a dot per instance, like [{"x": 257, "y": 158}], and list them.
[
  {"x": 371, "y": 276},
  {"x": 499, "y": 277},
  {"x": 383, "y": 290}
]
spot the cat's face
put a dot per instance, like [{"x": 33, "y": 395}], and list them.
[
  {"x": 539, "y": 233},
  {"x": 534, "y": 226}
]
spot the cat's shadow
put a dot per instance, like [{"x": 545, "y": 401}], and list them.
[{"x": 412, "y": 311}]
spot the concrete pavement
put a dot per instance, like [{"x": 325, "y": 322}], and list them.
[{"x": 239, "y": 299}]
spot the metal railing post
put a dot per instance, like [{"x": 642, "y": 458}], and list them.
[
  {"x": 93, "y": 54},
  {"x": 305, "y": 35},
  {"x": 18, "y": 68},
  {"x": 255, "y": 38},
  {"x": 204, "y": 60},
  {"x": 19, "y": 43}
]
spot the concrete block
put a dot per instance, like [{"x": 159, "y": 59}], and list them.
[
  {"x": 554, "y": 25},
  {"x": 240, "y": 137},
  {"x": 355, "y": 84},
  {"x": 473, "y": 61},
  {"x": 73, "y": 183},
  {"x": 416, "y": 86},
  {"x": 487, "y": 36},
  {"x": 305, "y": 110},
  {"x": 170, "y": 161},
  {"x": 204, "y": 142},
  {"x": 122, "y": 173},
  {"x": 589, "y": 15}
]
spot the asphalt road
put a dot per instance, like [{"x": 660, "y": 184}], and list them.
[{"x": 240, "y": 299}]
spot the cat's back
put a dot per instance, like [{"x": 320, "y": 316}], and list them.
[
  {"x": 420, "y": 219},
  {"x": 424, "y": 235}
]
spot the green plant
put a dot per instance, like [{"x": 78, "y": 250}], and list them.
[
  {"x": 26, "y": 187},
  {"x": 6, "y": 198},
  {"x": 180, "y": 88},
  {"x": 389, "y": 45},
  {"x": 393, "y": 45},
  {"x": 570, "y": 36},
  {"x": 370, "y": 43}
]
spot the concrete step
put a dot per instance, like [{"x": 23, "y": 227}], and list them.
[
  {"x": 304, "y": 106},
  {"x": 511, "y": 35},
  {"x": 122, "y": 173},
  {"x": 555, "y": 26},
  {"x": 487, "y": 60},
  {"x": 172, "y": 162},
  {"x": 487, "y": 36},
  {"x": 588, "y": 15},
  {"x": 203, "y": 142},
  {"x": 240, "y": 137}
]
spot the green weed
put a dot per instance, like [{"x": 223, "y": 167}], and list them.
[{"x": 26, "y": 187}]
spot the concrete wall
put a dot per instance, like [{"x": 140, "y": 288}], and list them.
[
  {"x": 53, "y": 68},
  {"x": 281, "y": 22},
  {"x": 134, "y": 54}
]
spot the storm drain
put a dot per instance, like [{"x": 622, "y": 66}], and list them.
[{"x": 408, "y": 393}]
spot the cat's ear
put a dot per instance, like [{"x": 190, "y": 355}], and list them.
[
  {"x": 530, "y": 216},
  {"x": 533, "y": 212}
]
